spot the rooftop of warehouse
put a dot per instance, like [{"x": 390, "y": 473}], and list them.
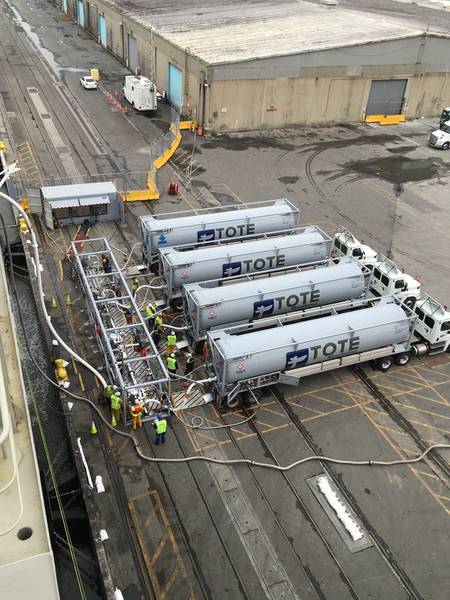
[{"x": 239, "y": 30}]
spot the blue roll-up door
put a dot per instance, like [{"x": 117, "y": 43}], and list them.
[
  {"x": 102, "y": 30},
  {"x": 132, "y": 54},
  {"x": 80, "y": 13},
  {"x": 175, "y": 86}
]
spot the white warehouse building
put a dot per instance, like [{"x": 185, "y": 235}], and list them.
[{"x": 262, "y": 64}]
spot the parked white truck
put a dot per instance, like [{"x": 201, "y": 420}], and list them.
[
  {"x": 345, "y": 244},
  {"x": 387, "y": 278},
  {"x": 140, "y": 92}
]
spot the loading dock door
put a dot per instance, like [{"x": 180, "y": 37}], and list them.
[
  {"x": 102, "y": 30},
  {"x": 132, "y": 54},
  {"x": 386, "y": 97},
  {"x": 175, "y": 86},
  {"x": 64, "y": 6},
  {"x": 80, "y": 13}
]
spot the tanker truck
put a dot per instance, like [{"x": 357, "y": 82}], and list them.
[
  {"x": 283, "y": 350},
  {"x": 211, "y": 225},
  {"x": 242, "y": 299},
  {"x": 250, "y": 254}
]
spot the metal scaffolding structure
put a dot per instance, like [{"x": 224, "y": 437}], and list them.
[{"x": 130, "y": 356}]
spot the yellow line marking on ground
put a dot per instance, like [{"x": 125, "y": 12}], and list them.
[
  {"x": 160, "y": 547},
  {"x": 319, "y": 412},
  {"x": 425, "y": 474},
  {"x": 338, "y": 410},
  {"x": 74, "y": 365},
  {"x": 421, "y": 397},
  {"x": 422, "y": 410},
  {"x": 81, "y": 382},
  {"x": 385, "y": 436}
]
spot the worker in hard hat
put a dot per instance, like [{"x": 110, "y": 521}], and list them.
[
  {"x": 172, "y": 365},
  {"x": 106, "y": 263},
  {"x": 156, "y": 335},
  {"x": 159, "y": 320},
  {"x": 136, "y": 410},
  {"x": 134, "y": 285},
  {"x": 171, "y": 342},
  {"x": 189, "y": 364},
  {"x": 116, "y": 406},
  {"x": 160, "y": 425},
  {"x": 109, "y": 391},
  {"x": 150, "y": 315},
  {"x": 61, "y": 375},
  {"x": 128, "y": 316}
]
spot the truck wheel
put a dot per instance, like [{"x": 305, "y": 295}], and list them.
[
  {"x": 410, "y": 302},
  {"x": 251, "y": 398},
  {"x": 402, "y": 359},
  {"x": 177, "y": 304},
  {"x": 384, "y": 364},
  {"x": 233, "y": 403},
  {"x": 445, "y": 146}
]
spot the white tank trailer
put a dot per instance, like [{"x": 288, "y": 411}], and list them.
[
  {"x": 175, "y": 229},
  {"x": 285, "y": 349},
  {"x": 227, "y": 259},
  {"x": 213, "y": 304}
]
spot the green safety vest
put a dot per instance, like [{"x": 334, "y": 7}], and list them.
[
  {"x": 150, "y": 311},
  {"x": 134, "y": 285},
  {"x": 161, "y": 426},
  {"x": 172, "y": 340},
  {"x": 171, "y": 363},
  {"x": 109, "y": 391},
  {"x": 158, "y": 320},
  {"x": 116, "y": 401}
]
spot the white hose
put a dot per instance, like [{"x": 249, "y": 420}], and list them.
[{"x": 35, "y": 248}]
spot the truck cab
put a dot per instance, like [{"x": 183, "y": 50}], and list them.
[
  {"x": 140, "y": 92},
  {"x": 432, "y": 327},
  {"x": 388, "y": 279},
  {"x": 345, "y": 244},
  {"x": 440, "y": 138}
]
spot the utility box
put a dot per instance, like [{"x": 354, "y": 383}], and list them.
[
  {"x": 140, "y": 92},
  {"x": 87, "y": 203}
]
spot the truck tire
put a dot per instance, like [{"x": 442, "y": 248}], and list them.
[
  {"x": 410, "y": 302},
  {"x": 445, "y": 146},
  {"x": 384, "y": 364},
  {"x": 402, "y": 359},
  {"x": 177, "y": 304},
  {"x": 233, "y": 403}
]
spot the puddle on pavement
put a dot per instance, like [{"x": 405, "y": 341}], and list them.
[
  {"x": 34, "y": 38},
  {"x": 401, "y": 149},
  {"x": 245, "y": 142},
  {"x": 397, "y": 169}
]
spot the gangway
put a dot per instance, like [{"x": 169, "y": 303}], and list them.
[{"x": 130, "y": 356}]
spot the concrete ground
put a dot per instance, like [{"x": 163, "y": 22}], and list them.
[{"x": 186, "y": 531}]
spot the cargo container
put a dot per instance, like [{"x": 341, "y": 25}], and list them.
[
  {"x": 286, "y": 349},
  {"x": 210, "y": 225},
  {"x": 242, "y": 256},
  {"x": 242, "y": 299}
]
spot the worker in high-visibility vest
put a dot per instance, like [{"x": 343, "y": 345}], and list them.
[
  {"x": 160, "y": 425},
  {"x": 172, "y": 365},
  {"x": 189, "y": 364},
  {"x": 159, "y": 320},
  {"x": 150, "y": 315},
  {"x": 116, "y": 406},
  {"x": 109, "y": 391},
  {"x": 134, "y": 285},
  {"x": 61, "y": 375},
  {"x": 136, "y": 413},
  {"x": 171, "y": 342}
]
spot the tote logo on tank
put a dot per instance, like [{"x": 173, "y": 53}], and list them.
[
  {"x": 265, "y": 308},
  {"x": 254, "y": 264},
  {"x": 208, "y": 235},
  {"x": 297, "y": 358}
]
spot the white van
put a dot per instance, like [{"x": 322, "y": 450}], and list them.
[{"x": 140, "y": 92}]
